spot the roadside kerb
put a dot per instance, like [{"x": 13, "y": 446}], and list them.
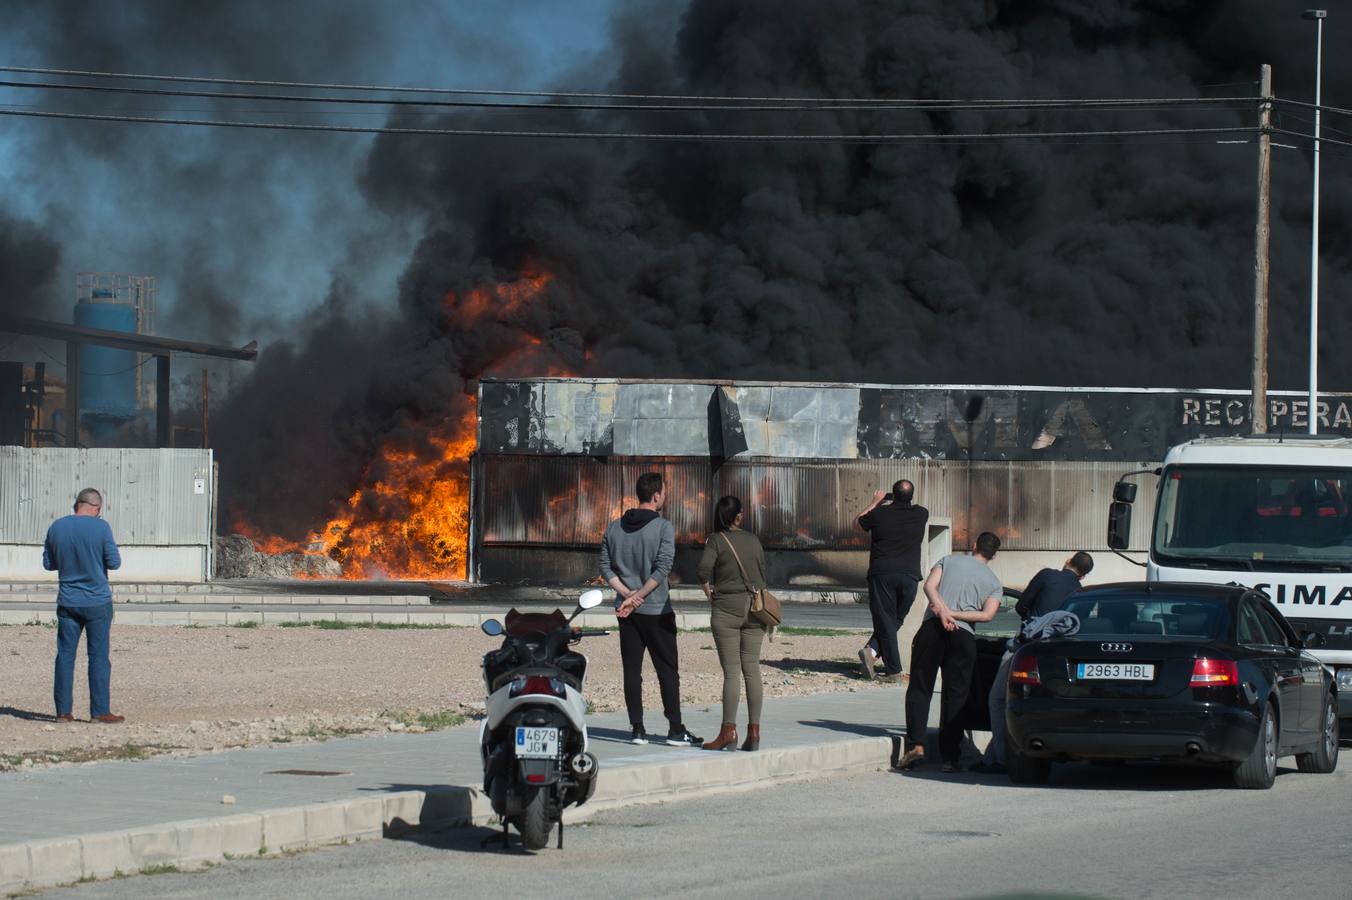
[
  {"x": 125, "y": 616},
  {"x": 196, "y": 843}
]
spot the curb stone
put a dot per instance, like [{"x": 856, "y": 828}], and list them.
[{"x": 196, "y": 843}]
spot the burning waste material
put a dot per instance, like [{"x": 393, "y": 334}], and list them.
[{"x": 409, "y": 516}]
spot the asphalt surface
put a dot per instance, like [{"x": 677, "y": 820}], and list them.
[{"x": 1095, "y": 832}]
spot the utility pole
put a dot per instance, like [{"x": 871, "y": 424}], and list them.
[{"x": 1260, "y": 256}]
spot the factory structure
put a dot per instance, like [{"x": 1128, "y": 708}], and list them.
[
  {"x": 104, "y": 421},
  {"x": 557, "y": 459}
]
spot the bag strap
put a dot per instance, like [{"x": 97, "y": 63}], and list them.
[{"x": 745, "y": 580}]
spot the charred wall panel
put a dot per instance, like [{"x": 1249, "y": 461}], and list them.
[{"x": 804, "y": 504}]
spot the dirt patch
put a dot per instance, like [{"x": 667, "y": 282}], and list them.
[{"x": 188, "y": 691}]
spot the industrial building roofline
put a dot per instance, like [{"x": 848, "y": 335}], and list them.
[
  {"x": 738, "y": 382},
  {"x": 139, "y": 343}
]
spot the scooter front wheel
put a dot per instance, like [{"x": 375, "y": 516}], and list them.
[{"x": 534, "y": 823}]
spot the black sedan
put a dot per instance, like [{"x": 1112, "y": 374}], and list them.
[{"x": 1209, "y": 674}]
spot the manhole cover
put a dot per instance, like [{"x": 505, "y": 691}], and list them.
[{"x": 314, "y": 772}]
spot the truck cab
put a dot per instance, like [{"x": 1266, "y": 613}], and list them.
[{"x": 1269, "y": 512}]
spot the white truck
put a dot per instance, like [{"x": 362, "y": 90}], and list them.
[{"x": 1269, "y": 512}]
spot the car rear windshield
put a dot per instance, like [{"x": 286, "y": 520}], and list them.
[{"x": 1150, "y": 616}]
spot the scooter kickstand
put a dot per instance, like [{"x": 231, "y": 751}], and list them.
[{"x": 504, "y": 838}]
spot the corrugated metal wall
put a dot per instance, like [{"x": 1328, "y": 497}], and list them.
[
  {"x": 805, "y": 504},
  {"x": 149, "y": 495}
]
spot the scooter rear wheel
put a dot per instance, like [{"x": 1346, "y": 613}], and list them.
[{"x": 535, "y": 823}]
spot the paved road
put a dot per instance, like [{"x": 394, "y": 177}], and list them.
[{"x": 1095, "y": 832}]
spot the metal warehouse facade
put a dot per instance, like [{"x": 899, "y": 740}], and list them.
[{"x": 558, "y": 459}]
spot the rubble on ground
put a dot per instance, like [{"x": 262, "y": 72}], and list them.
[{"x": 237, "y": 557}]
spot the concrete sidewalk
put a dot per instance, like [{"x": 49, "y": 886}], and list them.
[{"x": 90, "y": 821}]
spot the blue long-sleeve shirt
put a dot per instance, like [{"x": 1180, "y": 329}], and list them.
[
  {"x": 82, "y": 550},
  {"x": 1046, "y": 592}
]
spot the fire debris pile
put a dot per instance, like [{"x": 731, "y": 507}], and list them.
[{"x": 237, "y": 557}]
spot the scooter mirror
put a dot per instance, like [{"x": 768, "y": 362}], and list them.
[
  {"x": 492, "y": 627},
  {"x": 590, "y": 599}
]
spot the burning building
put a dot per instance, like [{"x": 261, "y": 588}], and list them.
[{"x": 557, "y": 459}]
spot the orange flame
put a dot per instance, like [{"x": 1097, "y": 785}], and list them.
[{"x": 410, "y": 517}]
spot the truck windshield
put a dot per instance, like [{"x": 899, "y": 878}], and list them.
[{"x": 1254, "y": 518}]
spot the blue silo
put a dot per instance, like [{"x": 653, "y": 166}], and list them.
[{"x": 107, "y": 375}]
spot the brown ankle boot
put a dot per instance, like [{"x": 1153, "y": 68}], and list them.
[
  {"x": 752, "y": 737},
  {"x": 726, "y": 740}
]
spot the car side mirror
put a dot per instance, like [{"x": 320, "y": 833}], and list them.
[
  {"x": 1311, "y": 640},
  {"x": 1119, "y": 525},
  {"x": 492, "y": 628}
]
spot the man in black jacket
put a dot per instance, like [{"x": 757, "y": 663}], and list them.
[
  {"x": 1050, "y": 588},
  {"x": 898, "y": 528}
]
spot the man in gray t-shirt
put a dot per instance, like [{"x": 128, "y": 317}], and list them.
[{"x": 962, "y": 590}]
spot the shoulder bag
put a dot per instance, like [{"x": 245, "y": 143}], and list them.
[{"x": 765, "y": 607}]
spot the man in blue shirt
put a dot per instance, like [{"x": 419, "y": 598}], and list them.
[
  {"x": 81, "y": 548},
  {"x": 1050, "y": 588}
]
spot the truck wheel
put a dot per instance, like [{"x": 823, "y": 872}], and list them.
[
  {"x": 1259, "y": 770},
  {"x": 534, "y": 822},
  {"x": 1324, "y": 757},
  {"x": 1026, "y": 770}
]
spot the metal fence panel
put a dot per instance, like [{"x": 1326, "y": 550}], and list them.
[{"x": 150, "y": 495}]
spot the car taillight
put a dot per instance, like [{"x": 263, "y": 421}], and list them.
[
  {"x": 536, "y": 684},
  {"x": 1214, "y": 672},
  {"x": 1024, "y": 670}
]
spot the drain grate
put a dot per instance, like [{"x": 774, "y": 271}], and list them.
[{"x": 313, "y": 772}]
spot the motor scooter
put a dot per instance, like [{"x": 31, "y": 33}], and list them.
[{"x": 533, "y": 738}]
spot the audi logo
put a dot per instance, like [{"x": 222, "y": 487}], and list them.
[{"x": 1115, "y": 648}]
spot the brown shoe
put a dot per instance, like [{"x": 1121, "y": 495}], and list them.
[
  {"x": 65, "y": 718},
  {"x": 911, "y": 758},
  {"x": 108, "y": 719},
  {"x": 752, "y": 742},
  {"x": 726, "y": 740}
]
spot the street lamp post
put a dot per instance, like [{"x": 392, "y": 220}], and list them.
[{"x": 1317, "y": 16}]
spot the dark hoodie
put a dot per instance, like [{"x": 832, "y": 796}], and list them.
[{"x": 640, "y": 545}]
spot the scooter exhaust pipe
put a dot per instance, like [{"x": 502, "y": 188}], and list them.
[{"x": 583, "y": 764}]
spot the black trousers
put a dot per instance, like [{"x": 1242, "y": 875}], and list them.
[
  {"x": 889, "y": 600},
  {"x": 656, "y": 635},
  {"x": 932, "y": 651}
]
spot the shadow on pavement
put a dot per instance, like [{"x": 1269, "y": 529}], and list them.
[
  {"x": 471, "y": 840},
  {"x": 611, "y": 735},
  {"x": 821, "y": 666},
  {"x": 865, "y": 729},
  {"x": 1139, "y": 777}
]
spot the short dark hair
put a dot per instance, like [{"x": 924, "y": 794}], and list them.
[
  {"x": 1082, "y": 563},
  {"x": 649, "y": 484},
  {"x": 987, "y": 544},
  {"x": 903, "y": 491},
  {"x": 726, "y": 511},
  {"x": 90, "y": 497}
]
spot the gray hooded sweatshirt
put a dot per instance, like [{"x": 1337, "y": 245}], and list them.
[{"x": 640, "y": 545}]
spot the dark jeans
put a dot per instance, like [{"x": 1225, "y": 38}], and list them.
[
  {"x": 95, "y": 622},
  {"x": 656, "y": 635},
  {"x": 953, "y": 652},
  {"x": 889, "y": 600}
]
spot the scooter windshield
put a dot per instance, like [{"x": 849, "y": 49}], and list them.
[{"x": 522, "y": 625}]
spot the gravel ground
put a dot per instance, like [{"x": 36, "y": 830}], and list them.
[{"x": 188, "y": 691}]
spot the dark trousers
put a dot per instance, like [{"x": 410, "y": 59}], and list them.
[
  {"x": 889, "y": 600},
  {"x": 656, "y": 635},
  {"x": 953, "y": 653},
  {"x": 96, "y": 622}
]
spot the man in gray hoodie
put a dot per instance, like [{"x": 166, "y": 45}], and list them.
[{"x": 636, "y": 557}]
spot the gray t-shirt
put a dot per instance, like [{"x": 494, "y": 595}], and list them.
[{"x": 966, "y": 584}]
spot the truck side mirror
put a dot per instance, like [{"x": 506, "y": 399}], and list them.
[
  {"x": 1124, "y": 492},
  {"x": 1119, "y": 523}
]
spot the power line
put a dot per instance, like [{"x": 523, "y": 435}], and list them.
[
  {"x": 1309, "y": 137},
  {"x": 602, "y": 95},
  {"x": 796, "y": 106},
  {"x": 641, "y": 136}
]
